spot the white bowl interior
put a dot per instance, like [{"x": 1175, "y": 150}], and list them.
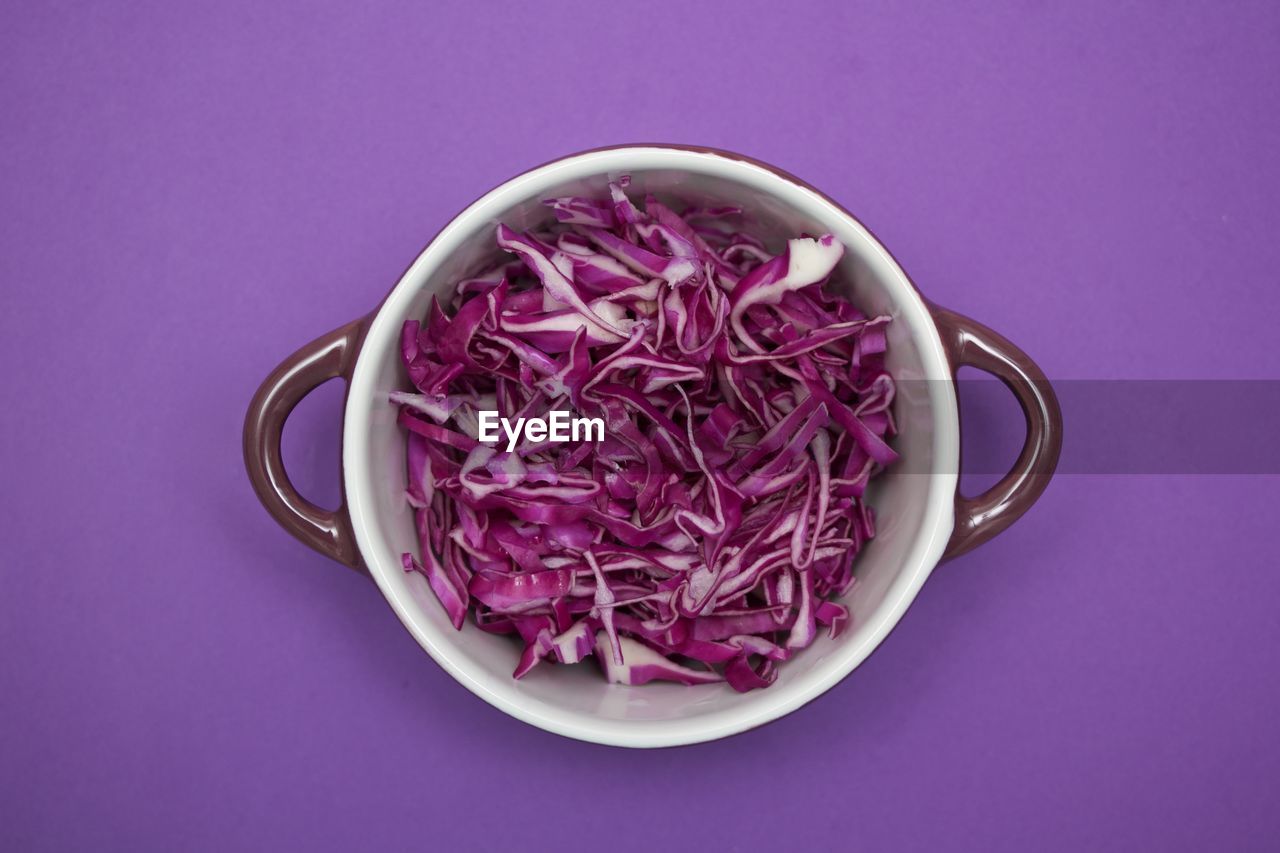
[{"x": 914, "y": 511}]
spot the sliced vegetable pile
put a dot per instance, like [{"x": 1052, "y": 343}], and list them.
[{"x": 745, "y": 411}]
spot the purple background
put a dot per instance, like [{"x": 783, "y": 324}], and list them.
[{"x": 191, "y": 191}]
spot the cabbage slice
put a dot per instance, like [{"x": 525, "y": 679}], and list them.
[{"x": 706, "y": 537}]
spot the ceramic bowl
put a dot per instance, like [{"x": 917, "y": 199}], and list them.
[{"x": 922, "y": 519}]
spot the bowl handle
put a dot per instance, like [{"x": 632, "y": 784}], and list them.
[
  {"x": 978, "y": 519},
  {"x": 327, "y": 357}
]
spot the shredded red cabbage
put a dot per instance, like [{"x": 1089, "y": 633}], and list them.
[{"x": 707, "y": 535}]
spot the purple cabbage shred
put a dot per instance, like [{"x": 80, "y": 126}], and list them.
[{"x": 709, "y": 534}]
